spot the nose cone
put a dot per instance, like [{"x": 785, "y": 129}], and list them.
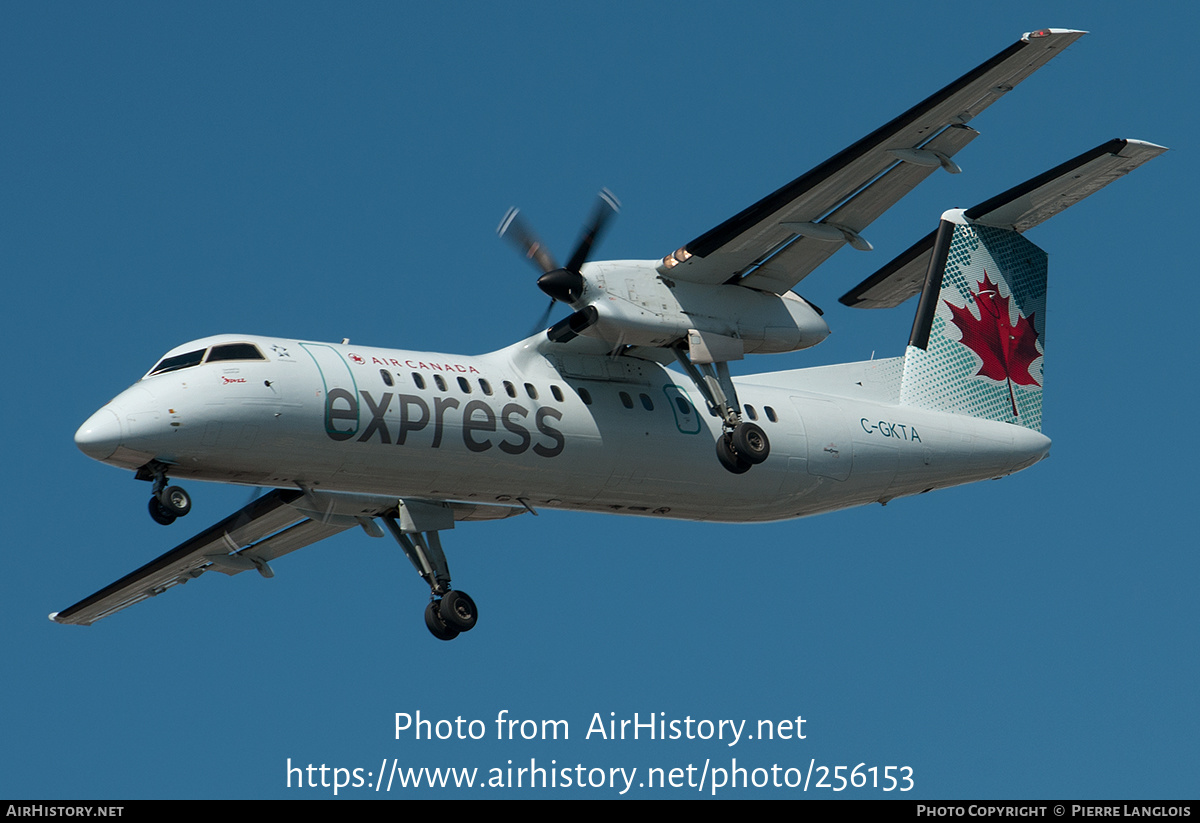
[{"x": 100, "y": 435}]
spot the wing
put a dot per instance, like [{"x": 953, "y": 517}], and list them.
[
  {"x": 774, "y": 244},
  {"x": 1018, "y": 209},
  {"x": 275, "y": 524}
]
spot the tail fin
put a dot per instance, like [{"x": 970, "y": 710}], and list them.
[{"x": 978, "y": 342}]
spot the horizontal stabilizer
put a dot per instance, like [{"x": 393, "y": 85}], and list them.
[{"x": 1018, "y": 209}]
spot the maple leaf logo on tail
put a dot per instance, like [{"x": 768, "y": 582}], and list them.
[{"x": 1007, "y": 349}]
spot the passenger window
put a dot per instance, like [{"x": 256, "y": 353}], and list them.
[
  {"x": 684, "y": 406},
  {"x": 626, "y": 400},
  {"x": 770, "y": 414},
  {"x": 485, "y": 387},
  {"x": 557, "y": 392},
  {"x": 418, "y": 380},
  {"x": 647, "y": 403},
  {"x": 585, "y": 396},
  {"x": 464, "y": 384},
  {"x": 387, "y": 377},
  {"x": 510, "y": 389},
  {"x": 439, "y": 382},
  {"x": 750, "y": 412},
  {"x": 531, "y": 391}
]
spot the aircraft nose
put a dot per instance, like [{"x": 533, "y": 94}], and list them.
[{"x": 100, "y": 435}]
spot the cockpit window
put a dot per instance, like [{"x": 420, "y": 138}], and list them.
[
  {"x": 225, "y": 351},
  {"x": 235, "y": 351},
  {"x": 179, "y": 361}
]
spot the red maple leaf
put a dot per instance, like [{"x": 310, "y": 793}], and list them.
[{"x": 1006, "y": 349}]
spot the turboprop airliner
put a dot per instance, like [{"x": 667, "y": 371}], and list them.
[{"x": 627, "y": 405}]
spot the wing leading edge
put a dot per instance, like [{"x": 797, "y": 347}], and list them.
[
  {"x": 775, "y": 243},
  {"x": 275, "y": 524}
]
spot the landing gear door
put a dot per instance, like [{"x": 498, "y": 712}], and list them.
[{"x": 687, "y": 419}]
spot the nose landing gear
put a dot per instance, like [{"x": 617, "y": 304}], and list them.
[{"x": 166, "y": 502}]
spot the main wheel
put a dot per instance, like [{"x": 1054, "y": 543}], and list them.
[
  {"x": 175, "y": 501},
  {"x": 159, "y": 514},
  {"x": 730, "y": 459},
  {"x": 750, "y": 442},
  {"x": 458, "y": 610},
  {"x": 436, "y": 625}
]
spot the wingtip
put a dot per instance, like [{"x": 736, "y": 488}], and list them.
[
  {"x": 1132, "y": 146},
  {"x": 1040, "y": 33},
  {"x": 54, "y": 619}
]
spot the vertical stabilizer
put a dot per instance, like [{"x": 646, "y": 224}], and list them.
[{"x": 978, "y": 342}]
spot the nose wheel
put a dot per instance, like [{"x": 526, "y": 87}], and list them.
[
  {"x": 167, "y": 503},
  {"x": 171, "y": 503}
]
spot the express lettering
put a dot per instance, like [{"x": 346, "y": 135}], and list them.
[
  {"x": 888, "y": 429},
  {"x": 479, "y": 422}
]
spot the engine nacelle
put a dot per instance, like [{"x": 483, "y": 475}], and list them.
[{"x": 627, "y": 302}]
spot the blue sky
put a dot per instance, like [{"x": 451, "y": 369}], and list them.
[{"x": 320, "y": 172}]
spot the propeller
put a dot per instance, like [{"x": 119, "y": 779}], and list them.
[{"x": 563, "y": 284}]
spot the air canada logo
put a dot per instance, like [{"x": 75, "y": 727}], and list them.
[
  {"x": 1007, "y": 349},
  {"x": 357, "y": 358}
]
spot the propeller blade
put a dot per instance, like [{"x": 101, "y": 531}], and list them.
[
  {"x": 514, "y": 227},
  {"x": 607, "y": 206},
  {"x": 544, "y": 319},
  {"x": 565, "y": 285}
]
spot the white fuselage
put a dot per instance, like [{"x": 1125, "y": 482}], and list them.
[{"x": 522, "y": 425}]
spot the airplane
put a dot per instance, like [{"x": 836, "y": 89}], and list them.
[{"x": 591, "y": 415}]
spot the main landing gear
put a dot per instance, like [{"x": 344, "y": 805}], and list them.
[
  {"x": 741, "y": 444},
  {"x": 166, "y": 502},
  {"x": 453, "y": 614},
  {"x": 415, "y": 527},
  {"x": 744, "y": 446}
]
